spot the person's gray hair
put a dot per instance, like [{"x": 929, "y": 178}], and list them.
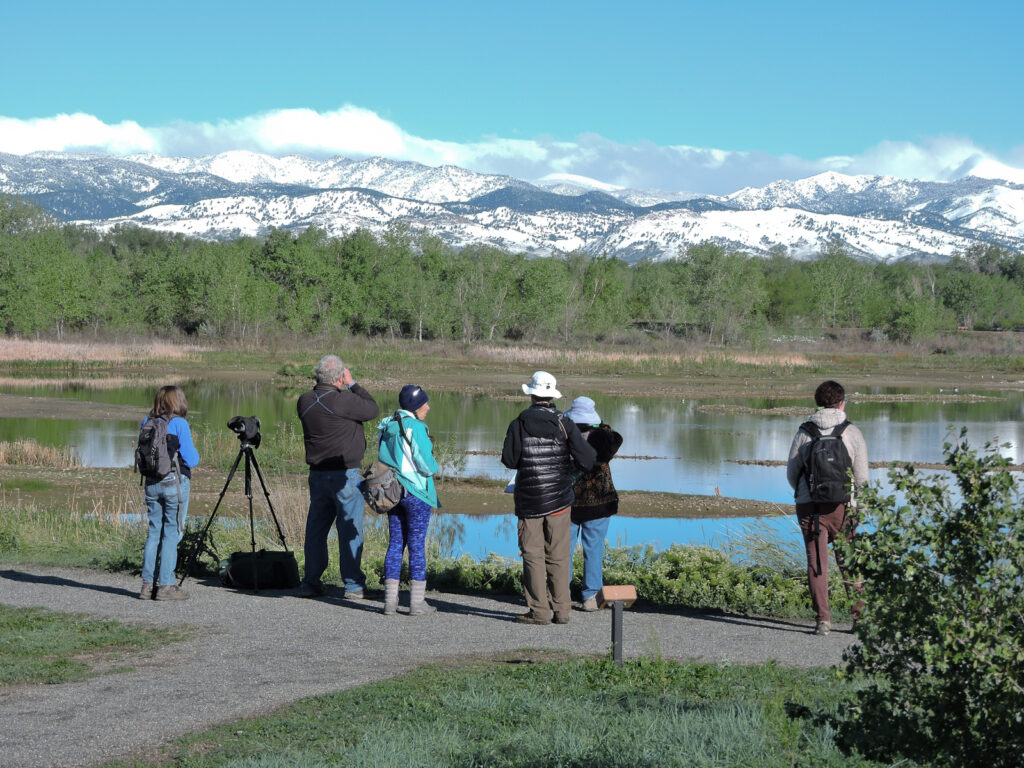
[{"x": 329, "y": 369}]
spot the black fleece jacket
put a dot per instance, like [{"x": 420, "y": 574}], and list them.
[
  {"x": 542, "y": 445},
  {"x": 332, "y": 425}
]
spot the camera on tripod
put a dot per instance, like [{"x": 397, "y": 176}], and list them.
[{"x": 247, "y": 429}]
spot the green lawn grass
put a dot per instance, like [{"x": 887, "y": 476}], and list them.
[
  {"x": 547, "y": 711},
  {"x": 41, "y": 646}
]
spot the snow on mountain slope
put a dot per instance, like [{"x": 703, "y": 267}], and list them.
[
  {"x": 572, "y": 185},
  {"x": 800, "y": 233},
  {"x": 336, "y": 211},
  {"x": 443, "y": 184},
  {"x": 997, "y": 210},
  {"x": 244, "y": 193}
]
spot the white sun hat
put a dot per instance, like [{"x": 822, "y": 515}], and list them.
[{"x": 543, "y": 384}]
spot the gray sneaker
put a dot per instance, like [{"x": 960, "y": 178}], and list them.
[
  {"x": 823, "y": 628},
  {"x": 590, "y": 604},
  {"x": 173, "y": 592},
  {"x": 354, "y": 594}
]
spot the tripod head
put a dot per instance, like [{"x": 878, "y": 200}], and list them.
[{"x": 247, "y": 429}]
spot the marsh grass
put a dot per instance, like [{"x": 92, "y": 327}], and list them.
[
  {"x": 99, "y": 381},
  {"x": 596, "y": 360},
  {"x": 91, "y": 353},
  {"x": 41, "y": 646},
  {"x": 29, "y": 453},
  {"x": 542, "y": 710}
]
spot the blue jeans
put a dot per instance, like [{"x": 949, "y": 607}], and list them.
[
  {"x": 162, "y": 502},
  {"x": 407, "y": 527},
  {"x": 334, "y": 499},
  {"x": 592, "y": 535}
]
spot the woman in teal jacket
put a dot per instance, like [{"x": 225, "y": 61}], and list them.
[{"x": 405, "y": 445}]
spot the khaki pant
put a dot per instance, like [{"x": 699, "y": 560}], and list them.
[{"x": 547, "y": 565}]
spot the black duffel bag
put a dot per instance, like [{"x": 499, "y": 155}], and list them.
[{"x": 266, "y": 569}]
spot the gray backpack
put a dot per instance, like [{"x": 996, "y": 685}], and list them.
[
  {"x": 152, "y": 459},
  {"x": 382, "y": 491}
]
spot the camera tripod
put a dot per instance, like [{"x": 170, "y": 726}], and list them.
[{"x": 245, "y": 450}]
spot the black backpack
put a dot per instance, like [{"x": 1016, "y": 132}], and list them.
[
  {"x": 827, "y": 464},
  {"x": 152, "y": 458}
]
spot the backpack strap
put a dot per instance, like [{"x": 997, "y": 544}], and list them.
[
  {"x": 401, "y": 430},
  {"x": 558, "y": 417},
  {"x": 811, "y": 429}
]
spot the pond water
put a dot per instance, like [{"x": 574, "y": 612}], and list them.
[{"x": 671, "y": 445}]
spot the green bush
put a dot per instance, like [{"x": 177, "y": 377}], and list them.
[
  {"x": 707, "y": 578},
  {"x": 942, "y": 631},
  {"x": 700, "y": 578}
]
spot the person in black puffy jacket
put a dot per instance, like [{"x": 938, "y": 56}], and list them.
[{"x": 545, "y": 448}]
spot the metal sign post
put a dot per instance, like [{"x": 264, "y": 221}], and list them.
[{"x": 619, "y": 598}]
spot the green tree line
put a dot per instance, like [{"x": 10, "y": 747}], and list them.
[{"x": 57, "y": 278}]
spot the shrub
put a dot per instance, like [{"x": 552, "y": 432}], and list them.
[{"x": 942, "y": 631}]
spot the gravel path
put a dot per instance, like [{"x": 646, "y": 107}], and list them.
[{"x": 249, "y": 654}]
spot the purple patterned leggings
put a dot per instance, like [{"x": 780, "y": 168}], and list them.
[{"x": 408, "y": 528}]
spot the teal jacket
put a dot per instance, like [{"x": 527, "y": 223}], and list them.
[{"x": 414, "y": 460}]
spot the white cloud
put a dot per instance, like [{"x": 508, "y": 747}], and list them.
[
  {"x": 353, "y": 131},
  {"x": 68, "y": 133}
]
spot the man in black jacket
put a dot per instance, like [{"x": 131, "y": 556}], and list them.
[
  {"x": 544, "y": 447},
  {"x": 332, "y": 416}
]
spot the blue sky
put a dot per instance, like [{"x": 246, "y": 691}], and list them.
[{"x": 677, "y": 96}]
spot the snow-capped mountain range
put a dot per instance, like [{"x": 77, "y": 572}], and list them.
[{"x": 243, "y": 193}]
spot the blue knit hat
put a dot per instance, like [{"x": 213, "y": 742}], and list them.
[{"x": 411, "y": 397}]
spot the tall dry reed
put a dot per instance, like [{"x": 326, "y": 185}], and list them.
[
  {"x": 29, "y": 453},
  {"x": 34, "y": 351},
  {"x": 547, "y": 356}
]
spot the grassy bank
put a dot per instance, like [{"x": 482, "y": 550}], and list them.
[
  {"x": 523, "y": 711},
  {"x": 756, "y": 575},
  {"x": 41, "y": 646}
]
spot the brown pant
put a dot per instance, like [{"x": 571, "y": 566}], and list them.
[
  {"x": 831, "y": 525},
  {"x": 544, "y": 545}
]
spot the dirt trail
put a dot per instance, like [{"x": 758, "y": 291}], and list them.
[{"x": 250, "y": 654}]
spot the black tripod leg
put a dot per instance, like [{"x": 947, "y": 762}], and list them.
[
  {"x": 270, "y": 506},
  {"x": 202, "y": 537},
  {"x": 249, "y": 460}
]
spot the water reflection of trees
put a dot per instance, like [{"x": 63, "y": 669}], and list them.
[{"x": 447, "y": 533}]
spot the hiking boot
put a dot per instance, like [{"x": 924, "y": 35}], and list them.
[
  {"x": 417, "y": 605},
  {"x": 590, "y": 604},
  {"x": 531, "y": 618},
  {"x": 823, "y": 628},
  {"x": 173, "y": 592},
  {"x": 390, "y": 597},
  {"x": 310, "y": 590},
  {"x": 354, "y": 594},
  {"x": 561, "y": 618},
  {"x": 146, "y": 593}
]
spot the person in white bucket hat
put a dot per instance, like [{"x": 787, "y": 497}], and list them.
[
  {"x": 545, "y": 448},
  {"x": 542, "y": 385}
]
